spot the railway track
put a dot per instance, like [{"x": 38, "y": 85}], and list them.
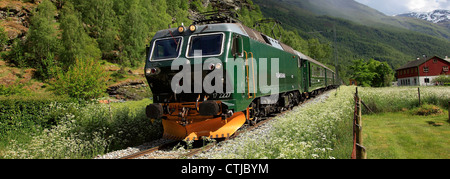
[{"x": 167, "y": 151}]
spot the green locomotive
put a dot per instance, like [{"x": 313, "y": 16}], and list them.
[{"x": 208, "y": 80}]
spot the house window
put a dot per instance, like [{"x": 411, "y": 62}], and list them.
[
  {"x": 434, "y": 60},
  {"x": 425, "y": 69},
  {"x": 427, "y": 80},
  {"x": 445, "y": 68}
]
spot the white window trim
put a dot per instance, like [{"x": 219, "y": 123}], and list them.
[
  {"x": 221, "y": 48},
  {"x": 166, "y": 59}
]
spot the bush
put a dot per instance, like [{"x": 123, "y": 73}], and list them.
[
  {"x": 18, "y": 112},
  {"x": 3, "y": 38},
  {"x": 16, "y": 89},
  {"x": 84, "y": 80},
  {"x": 444, "y": 80},
  {"x": 17, "y": 55},
  {"x": 427, "y": 110}
]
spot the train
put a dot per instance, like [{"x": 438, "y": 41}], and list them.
[{"x": 209, "y": 80}]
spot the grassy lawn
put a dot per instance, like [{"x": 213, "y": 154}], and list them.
[{"x": 401, "y": 135}]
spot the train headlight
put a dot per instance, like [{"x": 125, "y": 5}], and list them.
[
  {"x": 219, "y": 66},
  {"x": 152, "y": 71},
  {"x": 181, "y": 29},
  {"x": 192, "y": 28},
  {"x": 211, "y": 66}
]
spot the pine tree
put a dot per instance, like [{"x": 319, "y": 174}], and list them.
[{"x": 75, "y": 41}]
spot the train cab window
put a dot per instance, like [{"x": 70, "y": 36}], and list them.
[
  {"x": 209, "y": 44},
  {"x": 168, "y": 48}
]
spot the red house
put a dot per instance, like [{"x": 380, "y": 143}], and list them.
[{"x": 421, "y": 72}]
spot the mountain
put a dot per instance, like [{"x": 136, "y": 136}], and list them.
[
  {"x": 361, "y": 32},
  {"x": 364, "y": 15},
  {"x": 346, "y": 9},
  {"x": 436, "y": 16}
]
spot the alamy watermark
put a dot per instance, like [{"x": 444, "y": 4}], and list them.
[{"x": 243, "y": 76}]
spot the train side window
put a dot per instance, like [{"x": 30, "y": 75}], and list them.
[{"x": 237, "y": 47}]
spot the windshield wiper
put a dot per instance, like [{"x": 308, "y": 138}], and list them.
[{"x": 178, "y": 45}]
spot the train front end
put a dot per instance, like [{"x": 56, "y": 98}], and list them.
[{"x": 185, "y": 69}]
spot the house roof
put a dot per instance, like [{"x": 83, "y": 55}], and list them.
[{"x": 416, "y": 63}]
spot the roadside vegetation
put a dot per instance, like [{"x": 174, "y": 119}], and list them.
[
  {"x": 314, "y": 131},
  {"x": 59, "y": 128}
]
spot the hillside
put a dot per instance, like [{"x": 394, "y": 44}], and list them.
[
  {"x": 354, "y": 40},
  {"x": 362, "y": 14}
]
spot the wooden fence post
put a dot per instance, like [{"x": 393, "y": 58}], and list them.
[{"x": 359, "y": 151}]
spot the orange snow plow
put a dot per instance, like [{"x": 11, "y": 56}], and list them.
[{"x": 190, "y": 125}]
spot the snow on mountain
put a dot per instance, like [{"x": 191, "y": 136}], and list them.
[{"x": 436, "y": 16}]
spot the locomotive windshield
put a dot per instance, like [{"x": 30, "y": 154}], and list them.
[
  {"x": 167, "y": 48},
  {"x": 210, "y": 44}
]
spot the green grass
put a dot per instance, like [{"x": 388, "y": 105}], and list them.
[{"x": 401, "y": 135}]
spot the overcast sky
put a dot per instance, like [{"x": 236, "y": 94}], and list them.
[{"x": 393, "y": 7}]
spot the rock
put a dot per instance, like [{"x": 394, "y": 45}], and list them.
[{"x": 15, "y": 17}]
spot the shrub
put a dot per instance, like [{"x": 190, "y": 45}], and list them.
[
  {"x": 16, "y": 89},
  {"x": 444, "y": 80},
  {"x": 19, "y": 112},
  {"x": 85, "y": 79},
  {"x": 427, "y": 110},
  {"x": 3, "y": 38}
]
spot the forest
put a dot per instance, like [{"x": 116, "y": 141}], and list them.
[{"x": 69, "y": 38}]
